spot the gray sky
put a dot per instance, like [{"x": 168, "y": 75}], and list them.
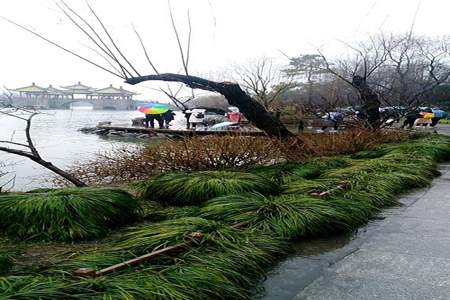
[{"x": 225, "y": 32}]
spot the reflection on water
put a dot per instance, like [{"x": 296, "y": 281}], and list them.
[
  {"x": 319, "y": 246},
  {"x": 57, "y": 139}
]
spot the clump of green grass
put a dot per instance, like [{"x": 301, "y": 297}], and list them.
[
  {"x": 314, "y": 168},
  {"x": 372, "y": 153},
  {"x": 308, "y": 170},
  {"x": 33, "y": 287},
  {"x": 227, "y": 262},
  {"x": 436, "y": 148},
  {"x": 288, "y": 216},
  {"x": 148, "y": 237},
  {"x": 196, "y": 187},
  {"x": 207, "y": 270},
  {"x": 382, "y": 177},
  {"x": 6, "y": 263},
  {"x": 232, "y": 272},
  {"x": 275, "y": 172},
  {"x": 66, "y": 214}
]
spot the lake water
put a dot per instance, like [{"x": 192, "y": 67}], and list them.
[{"x": 58, "y": 140}]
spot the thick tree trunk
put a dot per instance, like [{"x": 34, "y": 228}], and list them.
[
  {"x": 252, "y": 109},
  {"x": 370, "y": 103},
  {"x": 255, "y": 112}
]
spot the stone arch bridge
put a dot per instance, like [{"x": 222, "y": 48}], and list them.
[
  {"x": 98, "y": 104},
  {"x": 52, "y": 98}
]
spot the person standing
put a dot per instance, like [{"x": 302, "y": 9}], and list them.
[
  {"x": 168, "y": 117},
  {"x": 438, "y": 114},
  {"x": 160, "y": 120},
  {"x": 149, "y": 119},
  {"x": 197, "y": 117},
  {"x": 234, "y": 115},
  {"x": 187, "y": 114}
]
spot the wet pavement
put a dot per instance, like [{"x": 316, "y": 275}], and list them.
[
  {"x": 443, "y": 129},
  {"x": 404, "y": 254}
]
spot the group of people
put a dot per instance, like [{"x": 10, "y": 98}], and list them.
[
  {"x": 163, "y": 119},
  {"x": 196, "y": 117},
  {"x": 426, "y": 116},
  {"x": 423, "y": 116}
]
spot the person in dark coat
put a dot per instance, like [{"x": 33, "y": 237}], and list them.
[
  {"x": 301, "y": 126},
  {"x": 411, "y": 118},
  {"x": 160, "y": 120},
  {"x": 150, "y": 119},
  {"x": 187, "y": 114},
  {"x": 168, "y": 117}
]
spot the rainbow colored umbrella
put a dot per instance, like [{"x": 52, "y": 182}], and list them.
[{"x": 153, "y": 108}]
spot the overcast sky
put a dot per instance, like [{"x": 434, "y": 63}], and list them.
[{"x": 225, "y": 32}]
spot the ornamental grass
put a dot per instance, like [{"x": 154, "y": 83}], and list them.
[
  {"x": 68, "y": 214},
  {"x": 155, "y": 236},
  {"x": 277, "y": 204},
  {"x": 189, "y": 188},
  {"x": 287, "y": 216},
  {"x": 6, "y": 263}
]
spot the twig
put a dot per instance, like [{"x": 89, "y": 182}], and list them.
[
  {"x": 110, "y": 38},
  {"x": 180, "y": 47},
  {"x": 145, "y": 51},
  {"x": 108, "y": 53},
  {"x": 194, "y": 237},
  {"x": 62, "y": 48}
]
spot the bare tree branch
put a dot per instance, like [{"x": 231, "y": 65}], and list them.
[
  {"x": 145, "y": 51},
  {"x": 177, "y": 36},
  {"x": 105, "y": 49},
  {"x": 110, "y": 38},
  {"x": 33, "y": 153},
  {"x": 62, "y": 48}
]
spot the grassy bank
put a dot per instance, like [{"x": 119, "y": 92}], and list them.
[{"x": 245, "y": 220}]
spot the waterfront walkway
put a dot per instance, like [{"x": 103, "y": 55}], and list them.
[{"x": 404, "y": 255}]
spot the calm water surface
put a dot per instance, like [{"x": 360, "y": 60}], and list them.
[{"x": 57, "y": 139}]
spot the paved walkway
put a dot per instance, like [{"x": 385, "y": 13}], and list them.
[{"x": 406, "y": 255}]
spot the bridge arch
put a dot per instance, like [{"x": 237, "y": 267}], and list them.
[{"x": 68, "y": 104}]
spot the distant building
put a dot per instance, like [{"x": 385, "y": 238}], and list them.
[
  {"x": 112, "y": 93},
  {"x": 76, "y": 91},
  {"x": 62, "y": 98}
]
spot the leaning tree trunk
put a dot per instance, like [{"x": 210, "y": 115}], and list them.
[
  {"x": 252, "y": 109},
  {"x": 370, "y": 103}
]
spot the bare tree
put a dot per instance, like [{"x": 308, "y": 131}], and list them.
[
  {"x": 264, "y": 81},
  {"x": 415, "y": 67},
  {"x": 357, "y": 71},
  {"x": 121, "y": 66},
  {"x": 28, "y": 148},
  {"x": 401, "y": 71}
]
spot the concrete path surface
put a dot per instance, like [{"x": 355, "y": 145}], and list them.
[{"x": 404, "y": 255}]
